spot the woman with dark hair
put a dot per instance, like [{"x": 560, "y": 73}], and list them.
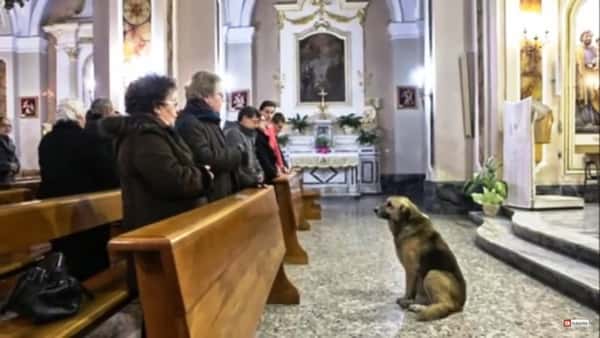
[{"x": 156, "y": 168}]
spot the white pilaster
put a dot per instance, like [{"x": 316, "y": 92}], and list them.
[
  {"x": 238, "y": 61},
  {"x": 67, "y": 53}
]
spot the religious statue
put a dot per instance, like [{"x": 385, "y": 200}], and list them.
[{"x": 587, "y": 82}]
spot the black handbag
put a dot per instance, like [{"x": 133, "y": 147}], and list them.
[{"x": 46, "y": 292}]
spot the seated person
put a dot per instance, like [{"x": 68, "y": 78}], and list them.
[{"x": 243, "y": 134}]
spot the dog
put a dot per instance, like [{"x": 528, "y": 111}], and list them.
[{"x": 435, "y": 286}]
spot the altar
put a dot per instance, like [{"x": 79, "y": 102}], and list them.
[
  {"x": 333, "y": 174},
  {"x": 322, "y": 93}
]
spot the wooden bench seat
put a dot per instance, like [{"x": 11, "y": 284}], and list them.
[
  {"x": 289, "y": 198},
  {"x": 311, "y": 204},
  {"x": 209, "y": 272},
  {"x": 110, "y": 292},
  {"x": 28, "y": 224},
  {"x": 15, "y": 195}
]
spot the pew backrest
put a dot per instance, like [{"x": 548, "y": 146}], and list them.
[
  {"x": 208, "y": 272},
  {"x": 15, "y": 195},
  {"x": 29, "y": 223}
]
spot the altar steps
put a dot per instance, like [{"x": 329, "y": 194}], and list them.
[{"x": 564, "y": 262}]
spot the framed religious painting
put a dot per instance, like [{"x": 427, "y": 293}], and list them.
[
  {"x": 29, "y": 107},
  {"x": 322, "y": 64},
  {"x": 580, "y": 99},
  {"x": 239, "y": 99},
  {"x": 406, "y": 97}
]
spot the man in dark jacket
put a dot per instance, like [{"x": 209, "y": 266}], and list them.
[
  {"x": 244, "y": 133},
  {"x": 198, "y": 124},
  {"x": 100, "y": 147},
  {"x": 9, "y": 162}
]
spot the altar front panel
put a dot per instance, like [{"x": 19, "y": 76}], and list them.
[{"x": 334, "y": 174}]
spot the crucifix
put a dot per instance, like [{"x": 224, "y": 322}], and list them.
[{"x": 322, "y": 106}]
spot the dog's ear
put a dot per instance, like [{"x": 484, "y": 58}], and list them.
[
  {"x": 401, "y": 213},
  {"x": 414, "y": 214}
]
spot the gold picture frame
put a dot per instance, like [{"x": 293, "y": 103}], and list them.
[
  {"x": 347, "y": 42},
  {"x": 574, "y": 144}
]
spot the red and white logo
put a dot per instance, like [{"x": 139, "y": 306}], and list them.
[{"x": 567, "y": 323}]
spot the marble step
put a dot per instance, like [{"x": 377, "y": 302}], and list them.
[
  {"x": 572, "y": 277},
  {"x": 578, "y": 239}
]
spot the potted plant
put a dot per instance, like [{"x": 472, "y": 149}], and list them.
[
  {"x": 369, "y": 137},
  {"x": 490, "y": 200},
  {"x": 299, "y": 123},
  {"x": 486, "y": 189},
  {"x": 349, "y": 123},
  {"x": 283, "y": 140},
  {"x": 322, "y": 144}
]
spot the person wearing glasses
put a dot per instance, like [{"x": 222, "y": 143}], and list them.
[
  {"x": 158, "y": 176},
  {"x": 199, "y": 125},
  {"x": 9, "y": 162}
]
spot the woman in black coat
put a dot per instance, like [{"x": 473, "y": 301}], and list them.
[
  {"x": 156, "y": 168},
  {"x": 64, "y": 162}
]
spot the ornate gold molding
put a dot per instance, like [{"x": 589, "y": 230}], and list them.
[{"x": 321, "y": 13}]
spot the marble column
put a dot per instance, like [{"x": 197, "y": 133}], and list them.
[{"x": 67, "y": 53}]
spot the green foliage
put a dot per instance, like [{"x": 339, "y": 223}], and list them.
[
  {"x": 369, "y": 137},
  {"x": 322, "y": 142},
  {"x": 283, "y": 139},
  {"x": 10, "y": 4},
  {"x": 488, "y": 197},
  {"x": 299, "y": 123},
  {"x": 485, "y": 187},
  {"x": 349, "y": 120}
]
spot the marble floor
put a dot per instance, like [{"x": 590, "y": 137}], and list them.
[{"x": 349, "y": 287}]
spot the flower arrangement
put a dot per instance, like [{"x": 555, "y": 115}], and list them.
[
  {"x": 322, "y": 144},
  {"x": 283, "y": 139},
  {"x": 299, "y": 123},
  {"x": 369, "y": 137},
  {"x": 349, "y": 122}
]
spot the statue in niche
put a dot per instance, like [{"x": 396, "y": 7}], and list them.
[
  {"x": 587, "y": 114},
  {"x": 322, "y": 68}
]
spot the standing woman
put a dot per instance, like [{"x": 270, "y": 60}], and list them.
[{"x": 155, "y": 166}]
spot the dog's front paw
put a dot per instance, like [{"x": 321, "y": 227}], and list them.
[
  {"x": 405, "y": 302},
  {"x": 416, "y": 307}
]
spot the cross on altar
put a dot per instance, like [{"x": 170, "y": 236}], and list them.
[{"x": 322, "y": 105}]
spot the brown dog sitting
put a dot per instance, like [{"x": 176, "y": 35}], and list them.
[{"x": 435, "y": 286}]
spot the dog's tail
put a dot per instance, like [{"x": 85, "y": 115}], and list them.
[{"x": 436, "y": 311}]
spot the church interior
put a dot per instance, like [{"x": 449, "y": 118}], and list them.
[{"x": 299, "y": 168}]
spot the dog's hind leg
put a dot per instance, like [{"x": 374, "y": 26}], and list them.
[{"x": 439, "y": 287}]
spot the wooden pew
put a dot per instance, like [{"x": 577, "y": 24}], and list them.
[
  {"x": 31, "y": 183},
  {"x": 311, "y": 203},
  {"x": 26, "y": 224},
  {"x": 16, "y": 195},
  {"x": 210, "y": 271},
  {"x": 289, "y": 198}
]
